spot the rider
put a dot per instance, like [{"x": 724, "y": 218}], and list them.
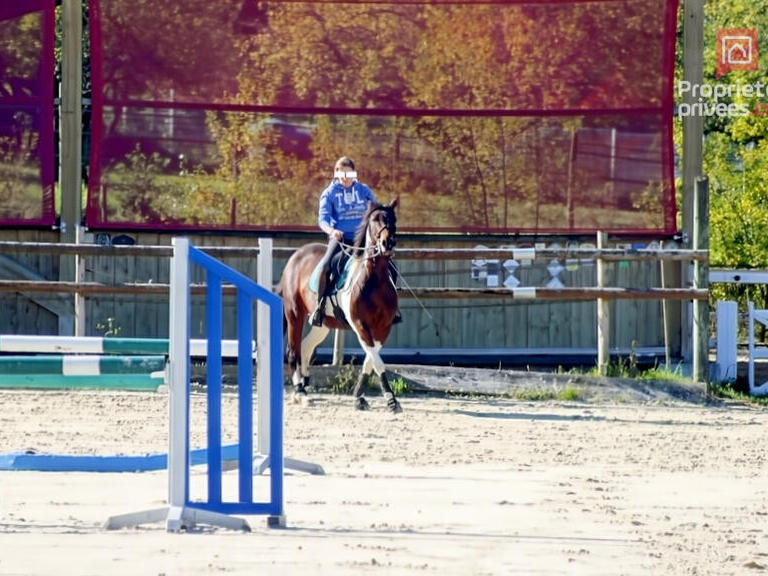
[{"x": 342, "y": 207}]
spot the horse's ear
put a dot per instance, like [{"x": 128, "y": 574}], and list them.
[{"x": 395, "y": 202}]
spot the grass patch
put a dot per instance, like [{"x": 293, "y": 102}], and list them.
[
  {"x": 728, "y": 392},
  {"x": 345, "y": 380},
  {"x": 565, "y": 394},
  {"x": 675, "y": 375},
  {"x": 628, "y": 369},
  {"x": 569, "y": 394},
  {"x": 399, "y": 386}
]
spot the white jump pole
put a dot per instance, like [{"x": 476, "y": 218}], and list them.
[
  {"x": 178, "y": 381},
  {"x": 264, "y": 278},
  {"x": 261, "y": 459}
]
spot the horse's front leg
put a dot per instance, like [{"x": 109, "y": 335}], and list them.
[
  {"x": 392, "y": 403},
  {"x": 360, "y": 402},
  {"x": 375, "y": 363}
]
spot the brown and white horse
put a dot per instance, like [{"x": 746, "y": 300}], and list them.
[{"x": 368, "y": 299}]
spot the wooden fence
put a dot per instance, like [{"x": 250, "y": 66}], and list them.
[{"x": 444, "y": 304}]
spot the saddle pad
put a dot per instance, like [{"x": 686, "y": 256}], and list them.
[{"x": 341, "y": 277}]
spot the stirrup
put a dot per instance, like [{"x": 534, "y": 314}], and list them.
[
  {"x": 318, "y": 316},
  {"x": 398, "y": 318}
]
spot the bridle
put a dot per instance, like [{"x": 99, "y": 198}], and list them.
[{"x": 373, "y": 243}]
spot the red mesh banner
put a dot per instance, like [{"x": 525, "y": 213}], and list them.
[
  {"x": 26, "y": 113},
  {"x": 482, "y": 116}
]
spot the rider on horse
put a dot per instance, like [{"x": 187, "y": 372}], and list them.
[{"x": 342, "y": 207}]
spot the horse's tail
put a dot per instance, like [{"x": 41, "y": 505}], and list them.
[{"x": 278, "y": 289}]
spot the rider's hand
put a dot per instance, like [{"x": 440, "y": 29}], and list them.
[{"x": 338, "y": 235}]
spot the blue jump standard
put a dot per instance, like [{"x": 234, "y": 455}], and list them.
[{"x": 72, "y": 463}]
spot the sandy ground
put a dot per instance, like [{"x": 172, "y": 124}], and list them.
[{"x": 453, "y": 485}]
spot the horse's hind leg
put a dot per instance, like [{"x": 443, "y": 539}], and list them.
[
  {"x": 294, "y": 356},
  {"x": 301, "y": 375}
]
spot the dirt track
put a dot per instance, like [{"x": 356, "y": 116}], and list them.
[{"x": 462, "y": 485}]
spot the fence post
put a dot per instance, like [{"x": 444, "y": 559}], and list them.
[
  {"x": 70, "y": 114},
  {"x": 693, "y": 130},
  {"x": 701, "y": 280},
  {"x": 80, "y": 320},
  {"x": 727, "y": 338},
  {"x": 603, "y": 313},
  {"x": 338, "y": 347}
]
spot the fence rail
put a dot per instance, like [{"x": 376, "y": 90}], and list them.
[
  {"x": 601, "y": 294},
  {"x": 570, "y": 294},
  {"x": 606, "y": 254},
  {"x": 565, "y": 294}
]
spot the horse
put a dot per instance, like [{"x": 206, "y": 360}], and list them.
[{"x": 367, "y": 298}]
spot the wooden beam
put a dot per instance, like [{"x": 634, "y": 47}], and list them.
[
  {"x": 693, "y": 135},
  {"x": 607, "y": 254},
  {"x": 70, "y": 150},
  {"x": 565, "y": 294},
  {"x": 54, "y": 303},
  {"x": 28, "y": 286}
]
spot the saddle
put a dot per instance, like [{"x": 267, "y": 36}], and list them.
[{"x": 339, "y": 268}]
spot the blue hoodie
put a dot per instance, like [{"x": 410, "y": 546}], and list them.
[{"x": 343, "y": 208}]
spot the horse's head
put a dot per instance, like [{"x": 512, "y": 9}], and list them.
[{"x": 378, "y": 228}]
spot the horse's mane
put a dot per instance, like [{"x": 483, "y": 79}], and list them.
[{"x": 359, "y": 241}]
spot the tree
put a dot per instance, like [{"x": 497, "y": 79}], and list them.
[{"x": 736, "y": 153}]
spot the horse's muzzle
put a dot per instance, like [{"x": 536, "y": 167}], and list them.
[{"x": 387, "y": 244}]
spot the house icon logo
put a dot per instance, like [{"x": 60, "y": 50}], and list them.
[{"x": 736, "y": 49}]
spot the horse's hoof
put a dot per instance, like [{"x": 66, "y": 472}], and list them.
[
  {"x": 394, "y": 406},
  {"x": 362, "y": 404},
  {"x": 302, "y": 399},
  {"x": 300, "y": 396}
]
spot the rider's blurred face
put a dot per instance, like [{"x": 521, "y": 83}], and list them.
[{"x": 348, "y": 178}]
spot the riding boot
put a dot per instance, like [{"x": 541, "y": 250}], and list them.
[
  {"x": 319, "y": 314},
  {"x": 393, "y": 274}
]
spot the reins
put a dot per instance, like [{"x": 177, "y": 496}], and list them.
[{"x": 370, "y": 251}]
